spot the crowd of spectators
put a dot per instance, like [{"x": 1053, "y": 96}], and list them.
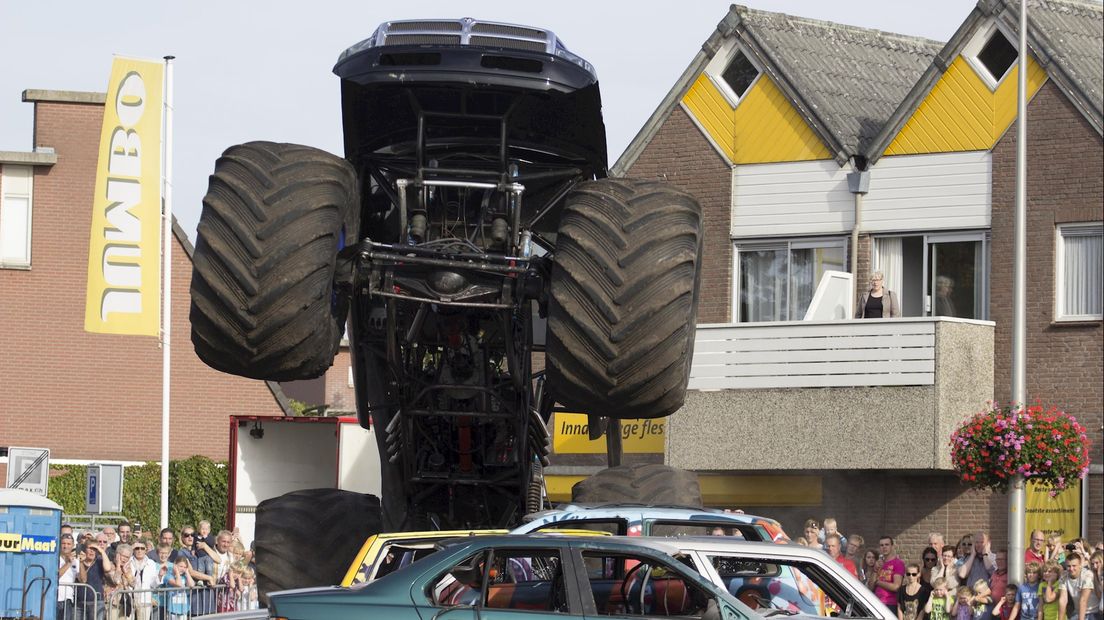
[
  {"x": 127, "y": 573},
  {"x": 969, "y": 581}
]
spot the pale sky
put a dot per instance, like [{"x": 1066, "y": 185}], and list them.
[{"x": 251, "y": 70}]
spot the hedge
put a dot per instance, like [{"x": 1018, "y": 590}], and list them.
[{"x": 197, "y": 491}]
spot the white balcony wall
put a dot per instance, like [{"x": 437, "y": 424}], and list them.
[{"x": 803, "y": 354}]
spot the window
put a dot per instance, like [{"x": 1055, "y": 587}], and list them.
[
  {"x": 998, "y": 55},
  {"x": 1079, "y": 294},
  {"x": 991, "y": 53},
  {"x": 15, "y": 216},
  {"x": 794, "y": 586},
  {"x": 939, "y": 274},
  {"x": 776, "y": 280},
  {"x": 522, "y": 579},
  {"x": 627, "y": 585},
  {"x": 732, "y": 72}
]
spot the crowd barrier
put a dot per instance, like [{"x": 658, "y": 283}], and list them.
[{"x": 153, "y": 604}]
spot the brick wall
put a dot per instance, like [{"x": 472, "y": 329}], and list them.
[
  {"x": 1065, "y": 363},
  {"x": 97, "y": 396},
  {"x": 680, "y": 154},
  {"x": 905, "y": 506}
]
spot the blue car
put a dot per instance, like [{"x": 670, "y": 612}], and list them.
[{"x": 526, "y": 577}]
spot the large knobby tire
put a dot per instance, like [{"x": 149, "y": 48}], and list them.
[
  {"x": 263, "y": 303},
  {"x": 309, "y": 538},
  {"x": 652, "y": 484},
  {"x": 624, "y": 297}
]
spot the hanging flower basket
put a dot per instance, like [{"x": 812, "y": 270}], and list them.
[{"x": 1046, "y": 446}]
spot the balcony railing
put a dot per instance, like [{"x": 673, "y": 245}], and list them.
[{"x": 801, "y": 354}]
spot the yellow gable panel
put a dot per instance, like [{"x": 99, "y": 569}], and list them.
[
  {"x": 961, "y": 113},
  {"x": 765, "y": 127}
]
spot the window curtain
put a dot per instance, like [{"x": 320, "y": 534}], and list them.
[
  {"x": 763, "y": 289},
  {"x": 889, "y": 259},
  {"x": 1084, "y": 270}
]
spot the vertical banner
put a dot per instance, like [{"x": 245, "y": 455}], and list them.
[
  {"x": 1054, "y": 515},
  {"x": 124, "y": 283}
]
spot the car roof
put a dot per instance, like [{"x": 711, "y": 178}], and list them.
[
  {"x": 723, "y": 544},
  {"x": 435, "y": 534},
  {"x": 611, "y": 543},
  {"x": 653, "y": 511}
]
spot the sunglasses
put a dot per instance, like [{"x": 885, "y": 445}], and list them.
[
  {"x": 187, "y": 534},
  {"x": 913, "y": 574},
  {"x": 929, "y": 559}
]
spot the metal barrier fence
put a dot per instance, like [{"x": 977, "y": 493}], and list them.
[{"x": 154, "y": 604}]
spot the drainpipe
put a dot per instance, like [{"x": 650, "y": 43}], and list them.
[{"x": 858, "y": 183}]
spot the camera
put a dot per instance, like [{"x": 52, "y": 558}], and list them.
[{"x": 1071, "y": 547}]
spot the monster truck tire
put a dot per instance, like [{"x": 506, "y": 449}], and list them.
[
  {"x": 653, "y": 484},
  {"x": 309, "y": 538},
  {"x": 263, "y": 303},
  {"x": 624, "y": 296}
]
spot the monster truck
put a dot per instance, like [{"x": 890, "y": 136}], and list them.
[{"x": 473, "y": 195}]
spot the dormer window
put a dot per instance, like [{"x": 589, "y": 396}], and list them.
[
  {"x": 998, "y": 55},
  {"x": 992, "y": 54},
  {"x": 733, "y": 72}
]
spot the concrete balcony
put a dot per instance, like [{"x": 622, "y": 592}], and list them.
[{"x": 831, "y": 395}]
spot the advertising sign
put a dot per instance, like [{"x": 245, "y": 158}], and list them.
[
  {"x": 571, "y": 435},
  {"x": 27, "y": 543},
  {"x": 1054, "y": 515},
  {"x": 124, "y": 280}
]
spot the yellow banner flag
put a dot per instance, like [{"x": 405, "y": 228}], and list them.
[{"x": 124, "y": 279}]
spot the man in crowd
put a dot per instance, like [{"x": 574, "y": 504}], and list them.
[
  {"x": 1082, "y": 603},
  {"x": 67, "y": 574},
  {"x": 890, "y": 574},
  {"x": 979, "y": 561},
  {"x": 1036, "y": 552},
  {"x": 998, "y": 581},
  {"x": 93, "y": 568},
  {"x": 220, "y": 554},
  {"x": 832, "y": 545},
  {"x": 936, "y": 541},
  {"x": 166, "y": 538},
  {"x": 855, "y": 544}
]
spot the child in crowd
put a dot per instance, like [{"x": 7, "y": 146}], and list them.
[
  {"x": 962, "y": 609},
  {"x": 939, "y": 603},
  {"x": 230, "y": 595},
  {"x": 1004, "y": 607},
  {"x": 1027, "y": 595},
  {"x": 982, "y": 600},
  {"x": 1049, "y": 591},
  {"x": 178, "y": 578},
  {"x": 248, "y": 599}
]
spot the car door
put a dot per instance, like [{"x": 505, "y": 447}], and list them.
[{"x": 620, "y": 585}]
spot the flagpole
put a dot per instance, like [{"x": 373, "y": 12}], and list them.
[
  {"x": 1017, "y": 494},
  {"x": 166, "y": 288}
]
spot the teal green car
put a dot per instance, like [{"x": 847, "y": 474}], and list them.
[{"x": 526, "y": 577}]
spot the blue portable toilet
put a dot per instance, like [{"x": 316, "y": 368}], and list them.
[{"x": 29, "y": 549}]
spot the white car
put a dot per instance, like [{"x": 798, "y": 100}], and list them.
[{"x": 774, "y": 578}]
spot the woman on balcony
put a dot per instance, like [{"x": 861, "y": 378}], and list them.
[{"x": 878, "y": 302}]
